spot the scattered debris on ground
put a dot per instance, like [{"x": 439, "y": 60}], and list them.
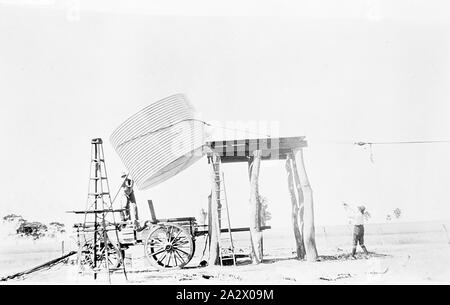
[
  {"x": 340, "y": 276},
  {"x": 348, "y": 256},
  {"x": 383, "y": 271}
]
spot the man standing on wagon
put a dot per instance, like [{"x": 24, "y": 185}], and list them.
[{"x": 129, "y": 200}]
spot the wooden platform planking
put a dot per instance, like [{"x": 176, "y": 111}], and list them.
[{"x": 242, "y": 150}]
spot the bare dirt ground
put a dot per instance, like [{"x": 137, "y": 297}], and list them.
[{"x": 397, "y": 257}]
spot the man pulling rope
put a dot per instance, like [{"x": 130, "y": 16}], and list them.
[{"x": 357, "y": 217}]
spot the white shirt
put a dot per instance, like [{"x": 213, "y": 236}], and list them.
[{"x": 355, "y": 216}]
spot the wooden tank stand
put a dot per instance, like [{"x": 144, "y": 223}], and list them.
[{"x": 253, "y": 152}]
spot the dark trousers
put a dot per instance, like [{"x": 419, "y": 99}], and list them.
[
  {"x": 358, "y": 238},
  {"x": 131, "y": 203}
]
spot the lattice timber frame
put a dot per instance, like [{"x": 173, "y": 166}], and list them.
[{"x": 253, "y": 151}]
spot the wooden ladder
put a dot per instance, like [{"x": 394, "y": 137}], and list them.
[{"x": 226, "y": 245}]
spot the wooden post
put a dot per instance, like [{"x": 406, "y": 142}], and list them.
[
  {"x": 295, "y": 217},
  {"x": 214, "y": 226},
  {"x": 255, "y": 209},
  {"x": 301, "y": 200},
  {"x": 250, "y": 163},
  {"x": 152, "y": 211},
  {"x": 261, "y": 242},
  {"x": 209, "y": 219},
  {"x": 308, "y": 228}
]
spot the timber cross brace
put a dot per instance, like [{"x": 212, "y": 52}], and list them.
[{"x": 253, "y": 151}]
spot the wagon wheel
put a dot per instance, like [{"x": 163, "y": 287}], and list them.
[
  {"x": 114, "y": 256},
  {"x": 169, "y": 246}
]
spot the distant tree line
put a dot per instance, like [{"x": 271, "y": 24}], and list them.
[
  {"x": 397, "y": 214},
  {"x": 33, "y": 229},
  {"x": 265, "y": 214}
]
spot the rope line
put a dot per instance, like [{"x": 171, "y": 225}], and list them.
[
  {"x": 402, "y": 142},
  {"x": 371, "y": 144},
  {"x": 184, "y": 120}
]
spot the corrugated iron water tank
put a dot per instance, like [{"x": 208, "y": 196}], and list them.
[{"x": 160, "y": 141}]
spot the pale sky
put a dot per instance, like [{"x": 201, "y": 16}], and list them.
[{"x": 358, "y": 71}]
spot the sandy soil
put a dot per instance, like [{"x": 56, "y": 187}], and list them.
[{"x": 402, "y": 258}]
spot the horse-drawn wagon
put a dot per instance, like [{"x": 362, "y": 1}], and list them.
[{"x": 167, "y": 243}]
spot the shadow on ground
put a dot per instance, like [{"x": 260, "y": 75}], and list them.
[{"x": 348, "y": 256}]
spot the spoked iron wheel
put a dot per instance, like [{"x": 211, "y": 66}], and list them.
[
  {"x": 169, "y": 246},
  {"x": 114, "y": 256}
]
